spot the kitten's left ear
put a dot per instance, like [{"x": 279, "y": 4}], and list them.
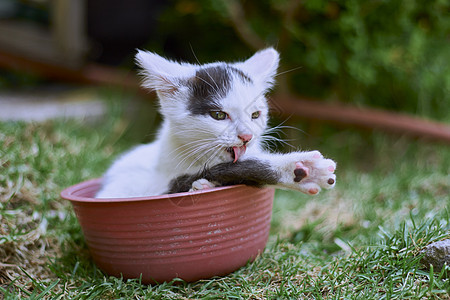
[{"x": 262, "y": 66}]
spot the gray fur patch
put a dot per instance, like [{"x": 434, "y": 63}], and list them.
[{"x": 209, "y": 86}]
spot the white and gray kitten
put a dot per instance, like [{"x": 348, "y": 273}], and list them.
[{"x": 214, "y": 118}]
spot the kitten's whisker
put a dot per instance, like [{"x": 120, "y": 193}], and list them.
[
  {"x": 190, "y": 152},
  {"x": 288, "y": 71},
  {"x": 271, "y": 137},
  {"x": 203, "y": 147},
  {"x": 194, "y": 144},
  {"x": 273, "y": 140},
  {"x": 187, "y": 148},
  {"x": 205, "y": 153},
  {"x": 276, "y": 140},
  {"x": 218, "y": 149},
  {"x": 184, "y": 154},
  {"x": 215, "y": 83},
  {"x": 216, "y": 89},
  {"x": 193, "y": 53},
  {"x": 182, "y": 128},
  {"x": 267, "y": 146},
  {"x": 281, "y": 127}
]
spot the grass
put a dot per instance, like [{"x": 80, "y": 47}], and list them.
[{"x": 361, "y": 240}]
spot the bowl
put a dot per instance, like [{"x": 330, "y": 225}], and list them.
[{"x": 192, "y": 236}]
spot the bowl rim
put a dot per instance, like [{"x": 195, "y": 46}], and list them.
[{"x": 68, "y": 193}]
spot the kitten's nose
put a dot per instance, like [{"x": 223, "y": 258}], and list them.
[{"x": 245, "y": 137}]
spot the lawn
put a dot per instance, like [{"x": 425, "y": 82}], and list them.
[{"x": 361, "y": 240}]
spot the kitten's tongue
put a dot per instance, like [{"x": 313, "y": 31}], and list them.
[{"x": 238, "y": 152}]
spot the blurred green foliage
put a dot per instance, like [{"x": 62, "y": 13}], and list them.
[{"x": 382, "y": 53}]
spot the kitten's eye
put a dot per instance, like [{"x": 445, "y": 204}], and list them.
[
  {"x": 256, "y": 115},
  {"x": 218, "y": 115}
]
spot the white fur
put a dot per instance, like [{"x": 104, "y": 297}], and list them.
[{"x": 186, "y": 143}]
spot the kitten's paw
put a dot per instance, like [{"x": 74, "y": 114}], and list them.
[
  {"x": 201, "y": 184},
  {"x": 309, "y": 172}
]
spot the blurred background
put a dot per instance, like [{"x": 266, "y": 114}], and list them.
[
  {"x": 389, "y": 55},
  {"x": 357, "y": 80}
]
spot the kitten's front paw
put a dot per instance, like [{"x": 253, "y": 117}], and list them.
[
  {"x": 309, "y": 172},
  {"x": 201, "y": 184}
]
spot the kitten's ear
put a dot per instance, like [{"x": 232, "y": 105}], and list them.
[
  {"x": 262, "y": 66},
  {"x": 160, "y": 74}
]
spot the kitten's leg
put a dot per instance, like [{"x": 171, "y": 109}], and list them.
[
  {"x": 253, "y": 172},
  {"x": 307, "y": 172}
]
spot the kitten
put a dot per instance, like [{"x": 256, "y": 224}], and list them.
[{"x": 214, "y": 118}]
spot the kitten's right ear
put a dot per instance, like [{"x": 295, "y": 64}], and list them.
[{"x": 160, "y": 74}]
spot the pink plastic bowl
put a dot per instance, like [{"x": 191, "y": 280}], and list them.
[{"x": 187, "y": 235}]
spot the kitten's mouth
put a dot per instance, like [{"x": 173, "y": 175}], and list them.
[{"x": 236, "y": 152}]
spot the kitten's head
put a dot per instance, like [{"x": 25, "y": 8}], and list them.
[{"x": 217, "y": 109}]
